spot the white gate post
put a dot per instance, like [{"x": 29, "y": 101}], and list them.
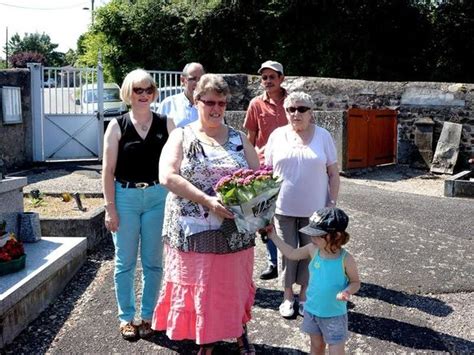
[
  {"x": 37, "y": 110},
  {"x": 100, "y": 105}
]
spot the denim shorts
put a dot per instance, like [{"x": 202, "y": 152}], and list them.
[{"x": 333, "y": 329}]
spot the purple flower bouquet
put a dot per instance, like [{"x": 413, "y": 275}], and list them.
[{"x": 251, "y": 195}]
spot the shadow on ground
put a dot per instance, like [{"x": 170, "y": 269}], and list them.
[
  {"x": 220, "y": 348},
  {"x": 425, "y": 304},
  {"x": 406, "y": 334}
]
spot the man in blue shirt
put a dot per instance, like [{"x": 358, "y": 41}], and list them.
[{"x": 180, "y": 108}]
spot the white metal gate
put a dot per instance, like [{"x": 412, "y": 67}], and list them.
[
  {"x": 67, "y": 126},
  {"x": 69, "y": 105}
]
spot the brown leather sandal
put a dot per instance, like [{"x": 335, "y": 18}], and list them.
[
  {"x": 245, "y": 348},
  {"x": 129, "y": 331},
  {"x": 206, "y": 349},
  {"x": 144, "y": 330}
]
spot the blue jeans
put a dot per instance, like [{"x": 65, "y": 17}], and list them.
[
  {"x": 272, "y": 254},
  {"x": 140, "y": 214}
]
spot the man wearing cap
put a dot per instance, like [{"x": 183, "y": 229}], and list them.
[
  {"x": 264, "y": 114},
  {"x": 179, "y": 108}
]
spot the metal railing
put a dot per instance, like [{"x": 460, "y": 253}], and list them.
[
  {"x": 168, "y": 82},
  {"x": 64, "y": 90},
  {"x": 74, "y": 91}
]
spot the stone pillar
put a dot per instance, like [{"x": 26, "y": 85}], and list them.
[
  {"x": 11, "y": 194},
  {"x": 423, "y": 142}
]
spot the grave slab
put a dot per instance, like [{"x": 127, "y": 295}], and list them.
[{"x": 50, "y": 264}]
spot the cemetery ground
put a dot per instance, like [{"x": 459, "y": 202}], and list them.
[{"x": 414, "y": 251}]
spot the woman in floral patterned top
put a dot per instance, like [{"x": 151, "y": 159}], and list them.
[{"x": 207, "y": 291}]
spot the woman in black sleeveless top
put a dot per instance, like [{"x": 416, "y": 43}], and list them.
[{"x": 134, "y": 199}]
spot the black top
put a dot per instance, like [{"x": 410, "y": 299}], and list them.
[{"x": 138, "y": 158}]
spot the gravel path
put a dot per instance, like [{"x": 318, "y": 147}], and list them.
[
  {"x": 421, "y": 310},
  {"x": 87, "y": 179}
]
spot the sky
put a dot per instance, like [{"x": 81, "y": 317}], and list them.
[{"x": 63, "y": 20}]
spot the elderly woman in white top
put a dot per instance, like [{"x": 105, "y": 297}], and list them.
[{"x": 305, "y": 156}]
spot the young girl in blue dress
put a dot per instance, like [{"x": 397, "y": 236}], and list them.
[{"x": 333, "y": 278}]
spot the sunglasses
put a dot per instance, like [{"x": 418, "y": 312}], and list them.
[
  {"x": 300, "y": 109},
  {"x": 270, "y": 77},
  {"x": 212, "y": 103},
  {"x": 139, "y": 91}
]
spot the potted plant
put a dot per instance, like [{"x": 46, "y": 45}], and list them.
[{"x": 12, "y": 253}]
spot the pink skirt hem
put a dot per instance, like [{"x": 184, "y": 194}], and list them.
[{"x": 205, "y": 297}]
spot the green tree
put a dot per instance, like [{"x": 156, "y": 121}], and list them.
[
  {"x": 142, "y": 34},
  {"x": 89, "y": 47},
  {"x": 39, "y": 43},
  {"x": 452, "y": 48},
  {"x": 360, "y": 39},
  {"x": 70, "y": 57},
  {"x": 226, "y": 36}
]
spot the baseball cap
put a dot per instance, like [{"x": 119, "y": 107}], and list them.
[
  {"x": 326, "y": 220},
  {"x": 271, "y": 64}
]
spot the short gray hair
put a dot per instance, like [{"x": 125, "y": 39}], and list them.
[
  {"x": 187, "y": 67},
  {"x": 211, "y": 83},
  {"x": 299, "y": 96}
]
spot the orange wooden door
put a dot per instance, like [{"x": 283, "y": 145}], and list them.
[
  {"x": 371, "y": 137},
  {"x": 357, "y": 138},
  {"x": 382, "y": 137}
]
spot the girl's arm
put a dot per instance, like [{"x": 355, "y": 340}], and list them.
[
  {"x": 291, "y": 253},
  {"x": 354, "y": 280}
]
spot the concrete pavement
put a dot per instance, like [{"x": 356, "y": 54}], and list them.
[{"x": 415, "y": 258}]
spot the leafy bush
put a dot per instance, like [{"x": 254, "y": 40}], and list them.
[{"x": 20, "y": 59}]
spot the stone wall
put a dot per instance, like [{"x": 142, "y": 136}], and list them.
[
  {"x": 333, "y": 121},
  {"x": 413, "y": 100},
  {"x": 442, "y": 102},
  {"x": 16, "y": 140}
]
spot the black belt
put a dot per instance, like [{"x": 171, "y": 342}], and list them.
[{"x": 137, "y": 185}]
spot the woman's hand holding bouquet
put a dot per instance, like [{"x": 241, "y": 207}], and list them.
[{"x": 251, "y": 195}]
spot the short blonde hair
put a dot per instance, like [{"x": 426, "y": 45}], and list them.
[
  {"x": 137, "y": 76},
  {"x": 211, "y": 83},
  {"x": 298, "y": 96}
]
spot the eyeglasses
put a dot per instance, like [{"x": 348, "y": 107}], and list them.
[
  {"x": 270, "y": 77},
  {"x": 300, "y": 109},
  {"x": 212, "y": 103},
  {"x": 192, "y": 78},
  {"x": 150, "y": 90}
]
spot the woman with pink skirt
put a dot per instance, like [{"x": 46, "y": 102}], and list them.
[{"x": 208, "y": 291}]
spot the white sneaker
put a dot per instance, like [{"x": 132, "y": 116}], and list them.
[{"x": 286, "y": 309}]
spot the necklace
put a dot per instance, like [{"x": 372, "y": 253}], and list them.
[{"x": 144, "y": 126}]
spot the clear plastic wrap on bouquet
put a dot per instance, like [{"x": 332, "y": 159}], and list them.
[
  {"x": 251, "y": 195},
  {"x": 256, "y": 213}
]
